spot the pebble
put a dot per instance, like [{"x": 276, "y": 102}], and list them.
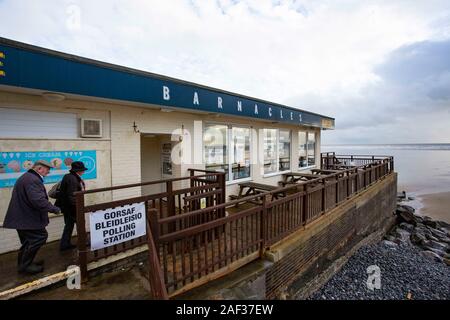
[
  {"x": 413, "y": 261},
  {"x": 405, "y": 272}
]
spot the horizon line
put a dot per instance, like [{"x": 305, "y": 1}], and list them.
[{"x": 383, "y": 144}]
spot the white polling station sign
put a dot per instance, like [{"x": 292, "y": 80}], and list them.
[{"x": 116, "y": 225}]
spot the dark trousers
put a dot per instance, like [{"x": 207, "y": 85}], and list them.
[
  {"x": 69, "y": 223},
  {"x": 32, "y": 241}
]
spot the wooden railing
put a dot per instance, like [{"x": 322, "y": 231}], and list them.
[
  {"x": 155, "y": 275},
  {"x": 329, "y": 160},
  {"x": 309, "y": 200},
  {"x": 194, "y": 255},
  {"x": 203, "y": 239},
  {"x": 208, "y": 185}
]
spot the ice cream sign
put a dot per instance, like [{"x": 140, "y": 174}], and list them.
[{"x": 14, "y": 164}]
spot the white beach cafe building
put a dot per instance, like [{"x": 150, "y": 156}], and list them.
[{"x": 129, "y": 126}]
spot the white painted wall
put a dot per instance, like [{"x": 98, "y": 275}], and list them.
[
  {"x": 151, "y": 163},
  {"x": 120, "y": 151},
  {"x": 34, "y": 105}
]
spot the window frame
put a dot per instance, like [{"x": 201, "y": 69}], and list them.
[
  {"x": 277, "y": 157},
  {"x": 230, "y": 149},
  {"x": 306, "y": 150}
]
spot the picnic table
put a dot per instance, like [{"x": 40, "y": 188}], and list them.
[
  {"x": 343, "y": 166},
  {"x": 294, "y": 177},
  {"x": 252, "y": 188},
  {"x": 321, "y": 171}
]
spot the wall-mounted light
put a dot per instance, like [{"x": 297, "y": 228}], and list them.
[
  {"x": 180, "y": 138},
  {"x": 135, "y": 127},
  {"x": 165, "y": 110},
  {"x": 52, "y": 96}
]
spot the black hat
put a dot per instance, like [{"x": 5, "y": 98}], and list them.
[{"x": 78, "y": 166}]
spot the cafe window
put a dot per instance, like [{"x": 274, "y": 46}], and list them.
[
  {"x": 307, "y": 149},
  {"x": 240, "y": 151},
  {"x": 311, "y": 148},
  {"x": 284, "y": 149},
  {"x": 277, "y": 150},
  {"x": 227, "y": 149},
  {"x": 215, "y": 142}
]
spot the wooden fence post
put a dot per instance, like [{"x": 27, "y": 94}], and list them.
[
  {"x": 357, "y": 181},
  {"x": 221, "y": 179},
  {"x": 324, "y": 196},
  {"x": 347, "y": 174},
  {"x": 191, "y": 174},
  {"x": 81, "y": 236},
  {"x": 155, "y": 275},
  {"x": 379, "y": 171},
  {"x": 170, "y": 204},
  {"x": 263, "y": 227},
  {"x": 152, "y": 216},
  {"x": 365, "y": 177},
  {"x": 337, "y": 188},
  {"x": 305, "y": 204}
]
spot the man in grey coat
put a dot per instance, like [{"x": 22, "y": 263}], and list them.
[{"x": 28, "y": 214}]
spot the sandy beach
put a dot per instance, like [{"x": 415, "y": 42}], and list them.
[{"x": 436, "y": 205}]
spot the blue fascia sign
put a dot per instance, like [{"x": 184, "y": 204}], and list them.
[{"x": 36, "y": 68}]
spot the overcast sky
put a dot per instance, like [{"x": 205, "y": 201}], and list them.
[{"x": 381, "y": 68}]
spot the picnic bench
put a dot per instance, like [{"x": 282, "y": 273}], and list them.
[
  {"x": 295, "y": 177},
  {"x": 344, "y": 167},
  {"x": 252, "y": 188},
  {"x": 321, "y": 171}
]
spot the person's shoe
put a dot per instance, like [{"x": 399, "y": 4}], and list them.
[
  {"x": 68, "y": 247},
  {"x": 39, "y": 262},
  {"x": 32, "y": 269}
]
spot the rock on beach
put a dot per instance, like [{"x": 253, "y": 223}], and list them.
[{"x": 413, "y": 259}]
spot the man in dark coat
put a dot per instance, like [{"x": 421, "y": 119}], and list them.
[
  {"x": 28, "y": 214},
  {"x": 70, "y": 183}
]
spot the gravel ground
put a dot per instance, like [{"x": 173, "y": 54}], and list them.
[{"x": 405, "y": 274}]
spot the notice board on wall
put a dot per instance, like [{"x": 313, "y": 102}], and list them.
[{"x": 166, "y": 158}]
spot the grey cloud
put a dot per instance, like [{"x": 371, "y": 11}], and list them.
[
  {"x": 273, "y": 54},
  {"x": 414, "y": 85},
  {"x": 420, "y": 67},
  {"x": 416, "y": 61},
  {"x": 441, "y": 88}
]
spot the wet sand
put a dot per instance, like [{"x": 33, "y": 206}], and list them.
[{"x": 436, "y": 206}]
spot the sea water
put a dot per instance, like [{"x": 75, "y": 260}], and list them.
[{"x": 422, "y": 168}]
